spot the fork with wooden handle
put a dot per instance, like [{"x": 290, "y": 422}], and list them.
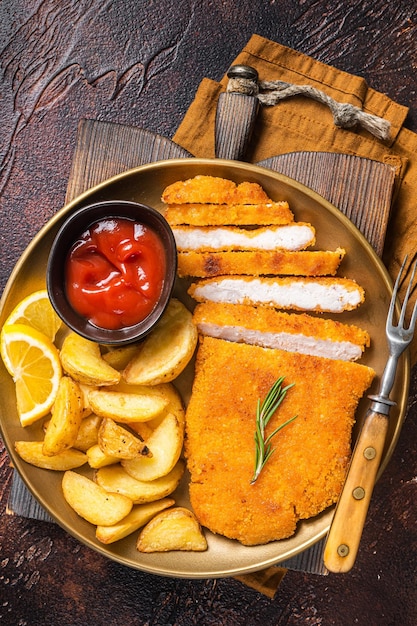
[{"x": 349, "y": 518}]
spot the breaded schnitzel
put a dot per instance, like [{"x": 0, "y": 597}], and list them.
[
  {"x": 269, "y": 328},
  {"x": 260, "y": 262},
  {"x": 295, "y": 236},
  {"x": 331, "y": 294},
  {"x": 261, "y": 214},
  {"x": 213, "y": 190},
  {"x": 307, "y": 469}
]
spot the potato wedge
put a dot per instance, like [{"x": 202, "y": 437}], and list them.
[
  {"x": 96, "y": 458},
  {"x": 114, "y": 440},
  {"x": 167, "y": 349},
  {"x": 31, "y": 452},
  {"x": 85, "y": 390},
  {"x": 120, "y": 357},
  {"x": 126, "y": 407},
  {"x": 92, "y": 502},
  {"x": 165, "y": 444},
  {"x": 88, "y": 432},
  {"x": 167, "y": 391},
  {"x": 82, "y": 360},
  {"x": 115, "y": 479},
  {"x": 175, "y": 405},
  {"x": 173, "y": 529},
  {"x": 67, "y": 414},
  {"x": 142, "y": 429},
  {"x": 140, "y": 515}
]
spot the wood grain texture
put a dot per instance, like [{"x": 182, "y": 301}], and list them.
[
  {"x": 235, "y": 118},
  {"x": 104, "y": 149},
  {"x": 362, "y": 189},
  {"x": 139, "y": 63}
]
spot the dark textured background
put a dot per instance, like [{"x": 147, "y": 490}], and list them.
[{"x": 139, "y": 62}]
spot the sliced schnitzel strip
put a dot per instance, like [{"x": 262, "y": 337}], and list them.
[
  {"x": 332, "y": 295},
  {"x": 295, "y": 236},
  {"x": 304, "y": 474},
  {"x": 260, "y": 262},
  {"x": 229, "y": 214},
  {"x": 213, "y": 190},
  {"x": 292, "y": 332}
]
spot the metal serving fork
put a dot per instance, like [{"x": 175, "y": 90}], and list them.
[{"x": 346, "y": 529}]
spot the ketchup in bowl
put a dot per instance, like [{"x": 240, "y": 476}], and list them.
[
  {"x": 115, "y": 272},
  {"x": 111, "y": 270}
]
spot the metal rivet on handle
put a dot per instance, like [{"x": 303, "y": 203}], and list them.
[
  {"x": 369, "y": 453},
  {"x": 358, "y": 493},
  {"x": 343, "y": 550}
]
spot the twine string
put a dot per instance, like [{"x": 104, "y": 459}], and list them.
[{"x": 345, "y": 115}]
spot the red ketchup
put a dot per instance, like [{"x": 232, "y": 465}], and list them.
[{"x": 115, "y": 273}]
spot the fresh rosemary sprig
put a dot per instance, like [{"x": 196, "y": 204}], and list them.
[{"x": 264, "y": 412}]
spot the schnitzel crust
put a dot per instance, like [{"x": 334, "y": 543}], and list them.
[{"x": 304, "y": 475}]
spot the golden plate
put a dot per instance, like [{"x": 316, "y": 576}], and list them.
[{"x": 145, "y": 184}]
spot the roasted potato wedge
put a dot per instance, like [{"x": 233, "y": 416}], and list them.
[
  {"x": 120, "y": 357},
  {"x": 82, "y": 360},
  {"x": 85, "y": 390},
  {"x": 92, "y": 502},
  {"x": 126, "y": 407},
  {"x": 114, "y": 440},
  {"x": 165, "y": 444},
  {"x": 96, "y": 458},
  {"x": 142, "y": 429},
  {"x": 167, "y": 391},
  {"x": 173, "y": 529},
  {"x": 175, "y": 406},
  {"x": 140, "y": 515},
  {"x": 67, "y": 414},
  {"x": 32, "y": 452},
  {"x": 88, "y": 432},
  {"x": 167, "y": 349},
  {"x": 115, "y": 479}
]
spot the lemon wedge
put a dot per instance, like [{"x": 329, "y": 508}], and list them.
[
  {"x": 33, "y": 362},
  {"x": 36, "y": 311}
]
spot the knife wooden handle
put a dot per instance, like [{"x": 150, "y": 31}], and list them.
[
  {"x": 235, "y": 116},
  {"x": 351, "y": 510}
]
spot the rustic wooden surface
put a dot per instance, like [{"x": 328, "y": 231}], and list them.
[{"x": 140, "y": 63}]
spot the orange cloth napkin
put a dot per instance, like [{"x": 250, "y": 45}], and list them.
[{"x": 302, "y": 124}]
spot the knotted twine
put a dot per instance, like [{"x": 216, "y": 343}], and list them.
[{"x": 345, "y": 115}]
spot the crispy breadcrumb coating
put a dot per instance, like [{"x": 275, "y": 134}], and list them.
[
  {"x": 213, "y": 190},
  {"x": 305, "y": 473},
  {"x": 260, "y": 262},
  {"x": 294, "y": 332},
  {"x": 229, "y": 214}
]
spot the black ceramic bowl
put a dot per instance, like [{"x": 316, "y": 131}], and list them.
[{"x": 73, "y": 227}]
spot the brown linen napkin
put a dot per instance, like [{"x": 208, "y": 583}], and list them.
[{"x": 302, "y": 124}]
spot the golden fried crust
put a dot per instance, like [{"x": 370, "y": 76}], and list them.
[
  {"x": 270, "y": 320},
  {"x": 260, "y": 262},
  {"x": 276, "y": 213},
  {"x": 213, "y": 190},
  {"x": 307, "y": 469}
]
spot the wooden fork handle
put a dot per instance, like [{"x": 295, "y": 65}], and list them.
[{"x": 346, "y": 529}]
